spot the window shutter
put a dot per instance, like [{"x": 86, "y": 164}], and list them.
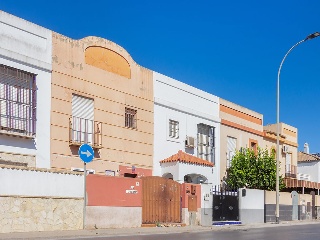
[{"x": 82, "y": 119}]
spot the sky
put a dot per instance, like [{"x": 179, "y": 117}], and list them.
[{"x": 229, "y": 48}]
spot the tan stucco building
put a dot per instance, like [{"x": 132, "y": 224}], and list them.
[
  {"x": 243, "y": 128},
  {"x": 102, "y": 97},
  {"x": 288, "y": 146},
  {"x": 240, "y": 128}
]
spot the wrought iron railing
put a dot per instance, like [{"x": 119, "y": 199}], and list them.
[
  {"x": 291, "y": 171},
  {"x": 85, "y": 131}
]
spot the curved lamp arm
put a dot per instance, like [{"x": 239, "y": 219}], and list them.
[{"x": 309, "y": 37}]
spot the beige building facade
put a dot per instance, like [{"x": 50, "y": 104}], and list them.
[
  {"x": 100, "y": 96},
  {"x": 288, "y": 146},
  {"x": 240, "y": 128},
  {"x": 243, "y": 128}
]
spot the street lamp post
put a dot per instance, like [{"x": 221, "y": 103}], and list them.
[{"x": 309, "y": 37}]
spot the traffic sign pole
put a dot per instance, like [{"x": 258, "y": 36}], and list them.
[
  {"x": 84, "y": 194},
  {"x": 86, "y": 154}
]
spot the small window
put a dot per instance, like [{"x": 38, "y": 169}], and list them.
[
  {"x": 173, "y": 129},
  {"x": 130, "y": 118},
  {"x": 253, "y": 145}
]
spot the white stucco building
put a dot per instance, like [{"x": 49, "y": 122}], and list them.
[
  {"x": 25, "y": 92},
  {"x": 186, "y": 119},
  {"x": 308, "y": 167}
]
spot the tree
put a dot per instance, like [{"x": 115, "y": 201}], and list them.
[{"x": 251, "y": 170}]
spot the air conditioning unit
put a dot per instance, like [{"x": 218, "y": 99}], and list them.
[
  {"x": 189, "y": 142},
  {"x": 285, "y": 149}
]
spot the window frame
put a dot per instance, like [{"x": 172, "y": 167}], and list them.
[
  {"x": 253, "y": 145},
  {"x": 207, "y": 150},
  {"x": 173, "y": 129},
  {"x": 130, "y": 118},
  {"x": 18, "y": 101}
]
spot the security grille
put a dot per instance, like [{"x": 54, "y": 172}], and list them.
[
  {"x": 173, "y": 129},
  {"x": 82, "y": 119},
  {"x": 206, "y": 142},
  {"x": 17, "y": 101},
  {"x": 130, "y": 118}
]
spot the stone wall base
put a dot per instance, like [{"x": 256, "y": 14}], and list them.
[{"x": 26, "y": 214}]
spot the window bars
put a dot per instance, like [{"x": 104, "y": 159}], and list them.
[
  {"x": 173, "y": 129},
  {"x": 17, "y": 101},
  {"x": 130, "y": 118}
]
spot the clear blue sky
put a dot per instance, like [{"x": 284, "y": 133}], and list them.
[{"x": 231, "y": 49}]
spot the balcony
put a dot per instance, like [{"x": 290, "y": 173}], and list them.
[
  {"x": 85, "y": 131},
  {"x": 295, "y": 183},
  {"x": 291, "y": 171}
]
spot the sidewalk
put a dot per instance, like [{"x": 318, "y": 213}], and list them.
[{"x": 141, "y": 231}]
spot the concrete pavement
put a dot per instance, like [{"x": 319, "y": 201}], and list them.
[{"x": 141, "y": 231}]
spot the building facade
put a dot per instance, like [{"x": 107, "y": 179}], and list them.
[
  {"x": 308, "y": 167},
  {"x": 240, "y": 128},
  {"x": 288, "y": 146},
  {"x": 186, "y": 120},
  {"x": 25, "y": 92},
  {"x": 100, "y": 96}
]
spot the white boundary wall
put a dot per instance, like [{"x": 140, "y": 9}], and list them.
[
  {"x": 40, "y": 183},
  {"x": 40, "y": 200},
  {"x": 251, "y": 206}
]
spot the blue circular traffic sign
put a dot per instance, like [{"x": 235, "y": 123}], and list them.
[{"x": 86, "y": 153}]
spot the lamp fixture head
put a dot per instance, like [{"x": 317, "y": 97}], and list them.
[{"x": 311, "y": 36}]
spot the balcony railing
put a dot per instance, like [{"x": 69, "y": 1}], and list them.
[
  {"x": 85, "y": 131},
  {"x": 291, "y": 171}
]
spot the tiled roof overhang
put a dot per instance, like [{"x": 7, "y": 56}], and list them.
[{"x": 187, "y": 158}]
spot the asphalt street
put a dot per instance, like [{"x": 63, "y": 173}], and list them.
[
  {"x": 292, "y": 230},
  {"x": 302, "y": 232}
]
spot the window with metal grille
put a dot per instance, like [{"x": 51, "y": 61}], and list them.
[
  {"x": 173, "y": 129},
  {"x": 82, "y": 119},
  {"x": 130, "y": 118},
  {"x": 17, "y": 101},
  {"x": 206, "y": 142}
]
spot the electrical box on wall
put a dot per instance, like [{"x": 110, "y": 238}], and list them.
[{"x": 206, "y": 197}]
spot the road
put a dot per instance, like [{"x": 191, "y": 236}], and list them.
[{"x": 294, "y": 232}]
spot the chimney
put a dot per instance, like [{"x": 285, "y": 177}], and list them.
[{"x": 306, "y": 148}]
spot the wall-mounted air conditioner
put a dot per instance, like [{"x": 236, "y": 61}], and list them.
[{"x": 189, "y": 142}]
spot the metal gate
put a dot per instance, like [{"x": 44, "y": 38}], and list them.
[
  {"x": 161, "y": 200},
  {"x": 225, "y": 205}
]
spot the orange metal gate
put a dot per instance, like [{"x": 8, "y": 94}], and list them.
[{"x": 161, "y": 200}]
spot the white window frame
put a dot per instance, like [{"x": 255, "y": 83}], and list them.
[
  {"x": 230, "y": 154},
  {"x": 173, "y": 129},
  {"x": 82, "y": 119},
  {"x": 206, "y": 142}
]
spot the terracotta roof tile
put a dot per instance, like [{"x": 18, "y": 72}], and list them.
[
  {"x": 305, "y": 157},
  {"x": 187, "y": 158}
]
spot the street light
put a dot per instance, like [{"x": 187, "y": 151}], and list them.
[{"x": 309, "y": 37}]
